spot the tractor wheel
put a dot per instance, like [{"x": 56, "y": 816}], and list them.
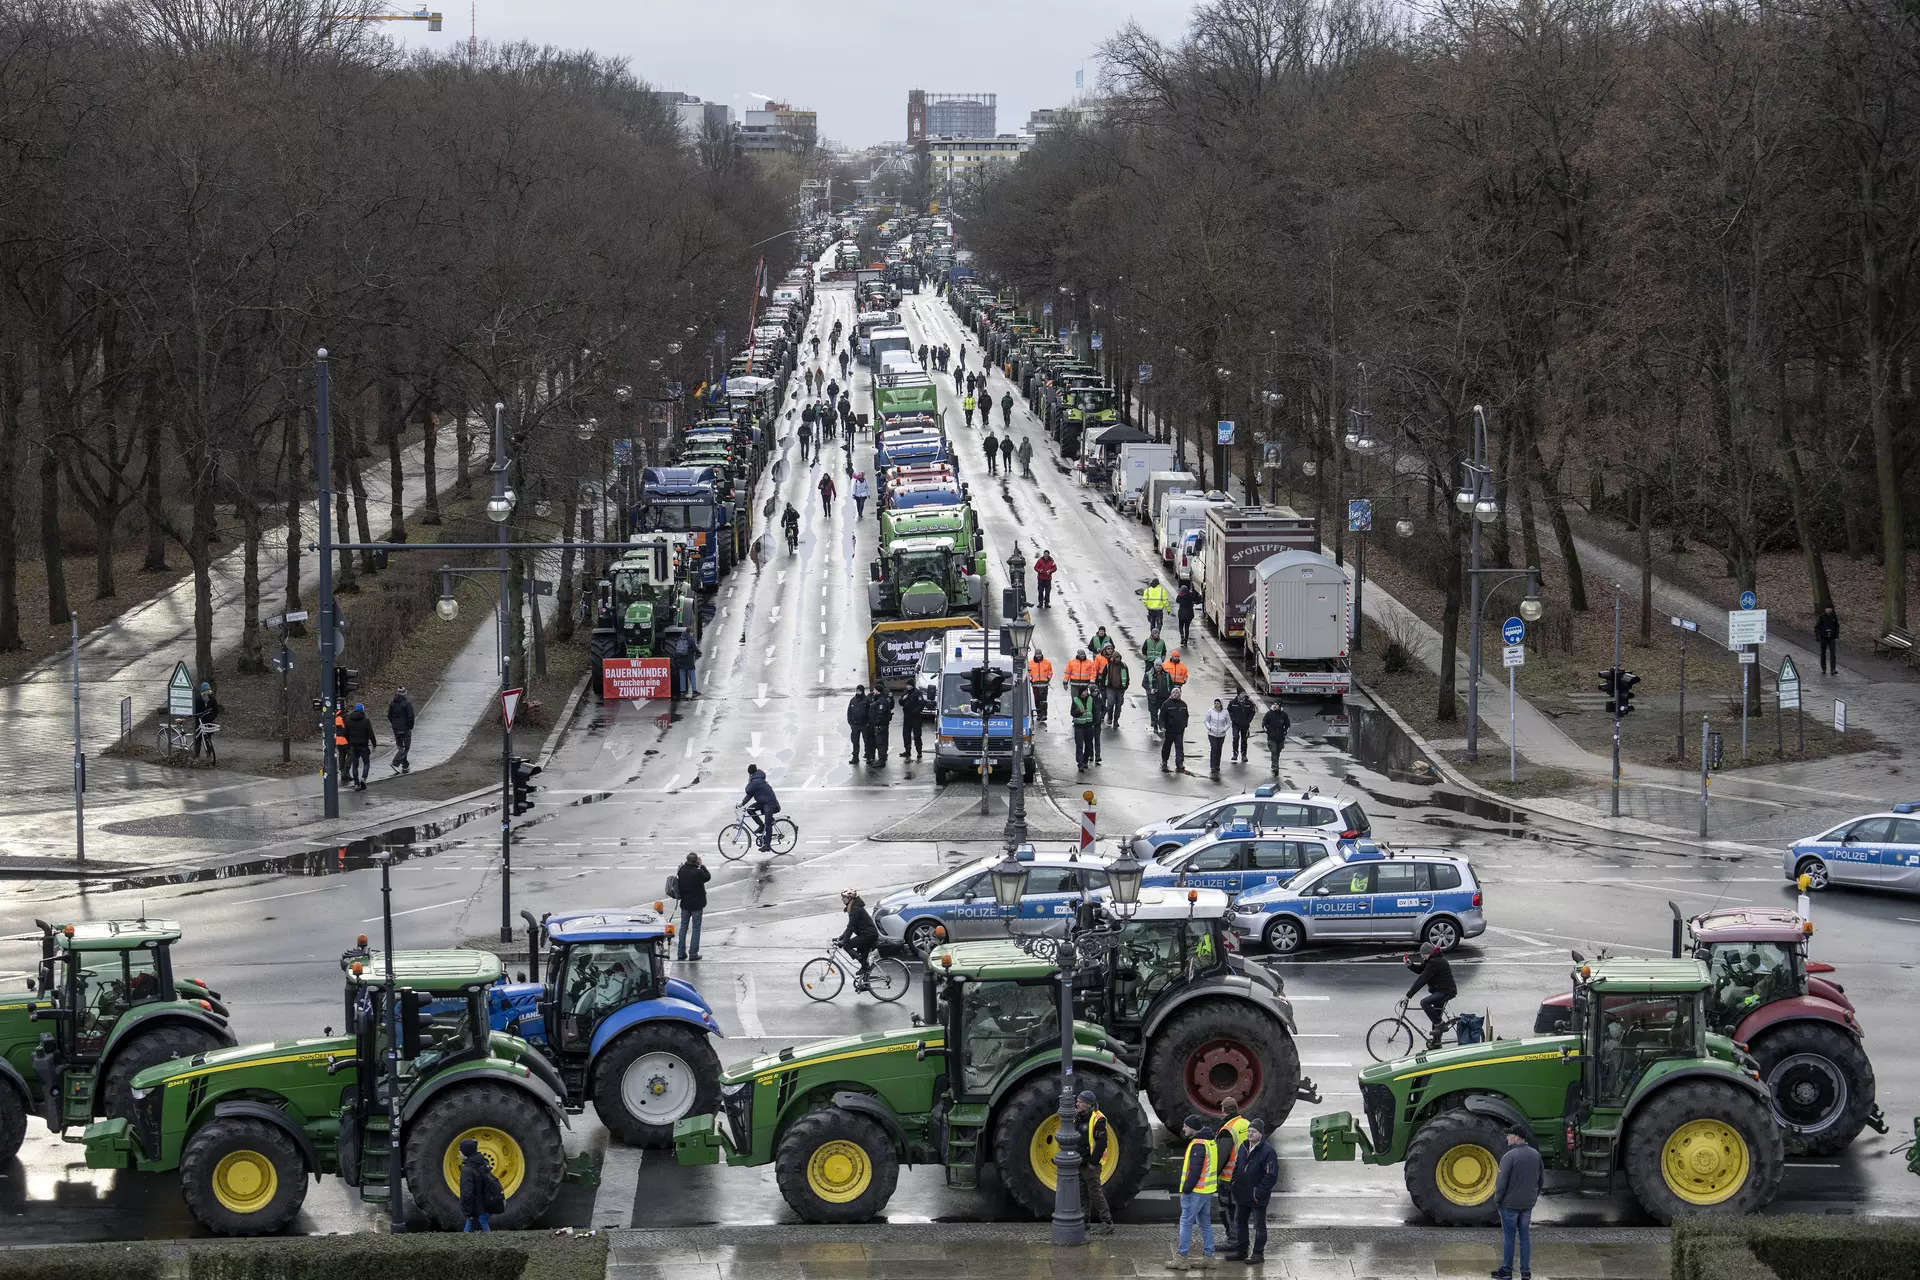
[
  {"x": 162, "y": 1044},
  {"x": 1821, "y": 1082},
  {"x": 836, "y": 1166},
  {"x": 13, "y": 1122},
  {"x": 1702, "y": 1147},
  {"x": 519, "y": 1137},
  {"x": 243, "y": 1177},
  {"x": 1026, "y": 1138},
  {"x": 1452, "y": 1165},
  {"x": 1220, "y": 1049},
  {"x": 651, "y": 1076}
]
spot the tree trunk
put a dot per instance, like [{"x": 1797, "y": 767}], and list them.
[
  {"x": 200, "y": 553},
  {"x": 343, "y": 577},
  {"x": 12, "y": 394},
  {"x": 295, "y": 516},
  {"x": 252, "y": 658},
  {"x": 152, "y": 496},
  {"x": 1878, "y": 370},
  {"x": 462, "y": 445},
  {"x": 563, "y": 598},
  {"x": 389, "y": 401},
  {"x": 429, "y": 456},
  {"x": 1562, "y": 529},
  {"x": 1445, "y": 708},
  {"x": 357, "y": 481},
  {"x": 1646, "y": 563},
  {"x": 1797, "y": 488},
  {"x": 52, "y": 546}
]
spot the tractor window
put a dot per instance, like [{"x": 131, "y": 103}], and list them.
[
  {"x": 1747, "y": 975},
  {"x": 1149, "y": 959},
  {"x": 1006, "y": 1021},
  {"x": 1638, "y": 1031},
  {"x": 601, "y": 978},
  {"x": 1208, "y": 954},
  {"x": 108, "y": 986}
]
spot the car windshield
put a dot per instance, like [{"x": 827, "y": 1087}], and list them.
[
  {"x": 921, "y": 566},
  {"x": 682, "y": 517}
]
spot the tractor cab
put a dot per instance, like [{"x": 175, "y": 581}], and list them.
[
  {"x": 999, "y": 1004},
  {"x": 1631, "y": 1016}
]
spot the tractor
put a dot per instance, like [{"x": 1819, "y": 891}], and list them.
[
  {"x": 109, "y": 1007},
  {"x": 1635, "y": 1089},
  {"x": 623, "y": 1035},
  {"x": 1798, "y": 1024},
  {"x": 246, "y": 1127},
  {"x": 975, "y": 1084}
]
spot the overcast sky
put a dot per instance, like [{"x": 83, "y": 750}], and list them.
[{"x": 851, "y": 62}]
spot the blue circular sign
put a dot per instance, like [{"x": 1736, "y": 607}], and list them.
[
  {"x": 1513, "y": 631},
  {"x": 1748, "y": 600}
]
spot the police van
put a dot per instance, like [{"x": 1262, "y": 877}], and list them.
[
  {"x": 962, "y": 901},
  {"x": 1875, "y": 851},
  {"x": 1241, "y": 856},
  {"x": 1366, "y": 895},
  {"x": 957, "y": 744}
]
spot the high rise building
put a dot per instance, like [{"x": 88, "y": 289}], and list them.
[{"x": 949, "y": 115}]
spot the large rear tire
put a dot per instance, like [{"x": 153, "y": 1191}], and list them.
[
  {"x": 1219, "y": 1049},
  {"x": 1701, "y": 1147},
  {"x": 13, "y": 1122},
  {"x": 836, "y": 1166},
  {"x": 1822, "y": 1084},
  {"x": 1453, "y": 1163},
  {"x": 515, "y": 1132},
  {"x": 243, "y": 1177},
  {"x": 1025, "y": 1140},
  {"x": 652, "y": 1075},
  {"x": 162, "y": 1044}
]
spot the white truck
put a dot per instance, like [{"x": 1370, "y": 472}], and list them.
[
  {"x": 1159, "y": 485},
  {"x": 1181, "y": 514},
  {"x": 1238, "y": 539},
  {"x": 1131, "y": 467},
  {"x": 1297, "y": 625}
]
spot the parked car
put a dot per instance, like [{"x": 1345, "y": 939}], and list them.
[
  {"x": 1241, "y": 856},
  {"x": 1366, "y": 896}
]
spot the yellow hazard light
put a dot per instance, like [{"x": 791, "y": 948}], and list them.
[
  {"x": 659, "y": 906},
  {"x": 1806, "y": 927},
  {"x": 1805, "y": 883},
  {"x": 946, "y": 961},
  {"x": 1586, "y": 971},
  {"x": 940, "y": 931},
  {"x": 356, "y": 969},
  {"x": 361, "y": 940}
]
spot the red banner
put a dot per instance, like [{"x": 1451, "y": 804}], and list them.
[{"x": 635, "y": 679}]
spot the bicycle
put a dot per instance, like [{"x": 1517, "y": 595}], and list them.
[
  {"x": 740, "y": 836},
  {"x": 1391, "y": 1039},
  {"x": 175, "y": 740},
  {"x": 823, "y": 976}
]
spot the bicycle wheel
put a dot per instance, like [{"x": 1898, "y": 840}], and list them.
[
  {"x": 783, "y": 835},
  {"x": 888, "y": 980},
  {"x": 822, "y": 977},
  {"x": 1390, "y": 1039},
  {"x": 735, "y": 841}
]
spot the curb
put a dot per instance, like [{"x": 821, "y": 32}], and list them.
[{"x": 564, "y": 720}]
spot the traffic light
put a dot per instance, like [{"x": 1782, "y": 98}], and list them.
[
  {"x": 1623, "y": 692},
  {"x": 998, "y": 682},
  {"x": 346, "y": 682},
  {"x": 523, "y": 772}
]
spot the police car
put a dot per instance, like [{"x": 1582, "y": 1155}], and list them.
[
  {"x": 1266, "y": 807},
  {"x": 1875, "y": 850},
  {"x": 1240, "y": 856},
  {"x": 963, "y": 901},
  {"x": 1366, "y": 895}
]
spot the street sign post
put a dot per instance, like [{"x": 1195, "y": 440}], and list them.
[
  {"x": 1360, "y": 515},
  {"x": 1787, "y": 693},
  {"x": 1097, "y": 340},
  {"x": 1748, "y": 600},
  {"x": 1746, "y": 626},
  {"x": 509, "y": 703},
  {"x": 1839, "y": 716},
  {"x": 1789, "y": 689},
  {"x": 1514, "y": 655},
  {"x": 1513, "y": 632},
  {"x": 1063, "y": 337},
  {"x": 1683, "y": 625},
  {"x": 1144, "y": 373},
  {"x": 180, "y": 691}
]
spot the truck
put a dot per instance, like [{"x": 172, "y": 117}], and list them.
[
  {"x": 1238, "y": 539},
  {"x": 1298, "y": 626},
  {"x": 1159, "y": 485},
  {"x": 958, "y": 737},
  {"x": 905, "y": 400},
  {"x": 897, "y": 651},
  {"x": 1132, "y": 466},
  {"x": 1181, "y": 514},
  {"x": 882, "y": 340},
  {"x": 688, "y": 500}
]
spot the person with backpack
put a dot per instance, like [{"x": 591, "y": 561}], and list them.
[
  {"x": 481, "y": 1195},
  {"x": 400, "y": 720},
  {"x": 690, "y": 890},
  {"x": 1116, "y": 678}
]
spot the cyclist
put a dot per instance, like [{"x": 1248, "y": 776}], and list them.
[
  {"x": 790, "y": 520},
  {"x": 1434, "y": 973},
  {"x": 761, "y": 805},
  {"x": 860, "y": 936}
]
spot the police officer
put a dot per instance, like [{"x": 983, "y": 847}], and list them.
[
  {"x": 857, "y": 721},
  {"x": 913, "y": 709}
]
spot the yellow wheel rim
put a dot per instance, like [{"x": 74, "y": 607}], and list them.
[
  {"x": 1467, "y": 1173},
  {"x": 245, "y": 1181},
  {"x": 1705, "y": 1161},
  {"x": 499, "y": 1147},
  {"x": 839, "y": 1171},
  {"x": 1044, "y": 1144}
]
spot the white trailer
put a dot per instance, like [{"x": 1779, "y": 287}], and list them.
[
  {"x": 1181, "y": 514},
  {"x": 1131, "y": 467},
  {"x": 1159, "y": 485},
  {"x": 1298, "y": 623}
]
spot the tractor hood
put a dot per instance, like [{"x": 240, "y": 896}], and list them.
[
  {"x": 1490, "y": 1054},
  {"x": 923, "y": 600},
  {"x": 278, "y": 1052},
  {"x": 872, "y": 1042}
]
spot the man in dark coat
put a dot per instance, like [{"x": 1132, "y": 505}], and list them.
[
  {"x": 481, "y": 1195},
  {"x": 1173, "y": 731},
  {"x": 857, "y": 721},
  {"x": 1826, "y": 630},
  {"x": 1185, "y": 603},
  {"x": 879, "y": 725},
  {"x": 360, "y": 745},
  {"x": 691, "y": 879},
  {"x": 400, "y": 720},
  {"x": 913, "y": 711},
  {"x": 1255, "y": 1170},
  {"x": 1275, "y": 725},
  {"x": 1240, "y": 713}
]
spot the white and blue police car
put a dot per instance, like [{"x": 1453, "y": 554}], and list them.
[
  {"x": 1874, "y": 850},
  {"x": 962, "y": 900},
  {"x": 1366, "y": 895},
  {"x": 1240, "y": 856},
  {"x": 1266, "y": 807}
]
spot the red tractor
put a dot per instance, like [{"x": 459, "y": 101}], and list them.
[{"x": 1780, "y": 1007}]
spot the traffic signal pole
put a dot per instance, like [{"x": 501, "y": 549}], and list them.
[
  {"x": 506, "y": 727},
  {"x": 1619, "y": 698},
  {"x": 323, "y": 471}
]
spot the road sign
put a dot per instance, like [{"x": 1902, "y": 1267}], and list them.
[
  {"x": 1686, "y": 624},
  {"x": 1789, "y": 671},
  {"x": 1360, "y": 515},
  {"x": 1746, "y": 626},
  {"x": 126, "y": 717},
  {"x": 1748, "y": 599},
  {"x": 1145, "y": 373},
  {"x": 180, "y": 691},
  {"x": 1716, "y": 751},
  {"x": 509, "y": 702},
  {"x": 282, "y": 661},
  {"x": 286, "y": 619},
  {"x": 1789, "y": 695},
  {"x": 1223, "y": 431},
  {"x": 1096, "y": 340},
  {"x": 540, "y": 586},
  {"x": 1513, "y": 631},
  {"x": 1748, "y": 657},
  {"x": 1839, "y": 716},
  {"x": 1514, "y": 655},
  {"x": 1063, "y": 336},
  {"x": 1046, "y": 308}
]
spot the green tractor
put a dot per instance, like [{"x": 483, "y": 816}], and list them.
[
  {"x": 246, "y": 1127},
  {"x": 644, "y": 596},
  {"x": 1637, "y": 1089},
  {"x": 104, "y": 1007},
  {"x": 976, "y": 1084},
  {"x": 925, "y": 577}
]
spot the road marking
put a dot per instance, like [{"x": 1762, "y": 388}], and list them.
[
  {"x": 672, "y": 782},
  {"x": 760, "y": 698},
  {"x": 619, "y": 1186},
  {"x": 274, "y": 897},
  {"x": 1532, "y": 942},
  {"x": 688, "y": 753},
  {"x": 748, "y": 1001},
  {"x": 414, "y": 911},
  {"x": 756, "y": 744}
]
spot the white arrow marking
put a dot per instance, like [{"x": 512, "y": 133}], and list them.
[
  {"x": 774, "y": 616},
  {"x": 756, "y": 744},
  {"x": 760, "y": 700}
]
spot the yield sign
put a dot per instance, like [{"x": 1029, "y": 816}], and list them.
[{"x": 509, "y": 699}]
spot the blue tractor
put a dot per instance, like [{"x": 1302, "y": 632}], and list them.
[{"x": 623, "y": 1035}]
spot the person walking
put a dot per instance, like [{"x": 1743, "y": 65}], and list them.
[
  {"x": 1256, "y": 1168},
  {"x": 1039, "y": 677},
  {"x": 1158, "y": 685},
  {"x": 1176, "y": 670},
  {"x": 1116, "y": 679},
  {"x": 1275, "y": 725},
  {"x": 1099, "y": 713},
  {"x": 1043, "y": 570},
  {"x": 806, "y": 433},
  {"x": 1025, "y": 453},
  {"x": 400, "y": 720},
  {"x": 1081, "y": 704},
  {"x": 833, "y": 392},
  {"x": 1515, "y": 1191},
  {"x": 1006, "y": 453},
  {"x": 691, "y": 882},
  {"x": 481, "y": 1195},
  {"x": 879, "y": 725},
  {"x": 1173, "y": 728},
  {"x": 1826, "y": 630},
  {"x": 1097, "y": 1133},
  {"x": 361, "y": 742},
  {"x": 206, "y": 718},
  {"x": 966, "y": 408},
  {"x": 1006, "y": 412},
  {"x": 1240, "y": 712},
  {"x": 1186, "y": 603},
  {"x": 828, "y": 492},
  {"x": 1216, "y": 722},
  {"x": 1232, "y": 1132},
  {"x": 959, "y": 379},
  {"x": 913, "y": 713},
  {"x": 1199, "y": 1179},
  {"x": 1156, "y": 600},
  {"x": 857, "y": 722},
  {"x": 1153, "y": 652},
  {"x": 992, "y": 446},
  {"x": 861, "y": 491},
  {"x": 682, "y": 652}
]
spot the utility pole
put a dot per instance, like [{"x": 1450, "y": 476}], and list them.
[
  {"x": 79, "y": 756},
  {"x": 323, "y": 471},
  {"x": 500, "y": 496},
  {"x": 1619, "y": 700}
]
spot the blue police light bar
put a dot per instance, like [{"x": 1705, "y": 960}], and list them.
[
  {"x": 1024, "y": 853},
  {"x": 1908, "y": 806}
]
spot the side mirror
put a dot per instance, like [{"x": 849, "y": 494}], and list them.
[{"x": 1578, "y": 958}]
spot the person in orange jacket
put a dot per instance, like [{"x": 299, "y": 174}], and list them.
[
  {"x": 1176, "y": 669},
  {"x": 1039, "y": 676},
  {"x": 1079, "y": 669}
]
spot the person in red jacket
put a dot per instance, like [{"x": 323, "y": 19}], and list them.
[{"x": 1043, "y": 570}]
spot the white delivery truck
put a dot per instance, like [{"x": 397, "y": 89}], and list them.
[
  {"x": 1180, "y": 514},
  {"x": 1131, "y": 467},
  {"x": 1298, "y": 624},
  {"x": 1159, "y": 485}
]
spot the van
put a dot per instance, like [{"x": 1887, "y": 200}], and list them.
[{"x": 957, "y": 742}]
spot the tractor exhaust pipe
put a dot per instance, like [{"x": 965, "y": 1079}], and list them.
[
  {"x": 1679, "y": 927},
  {"x": 533, "y": 946}
]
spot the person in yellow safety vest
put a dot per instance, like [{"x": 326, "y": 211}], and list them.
[
  {"x": 1233, "y": 1132},
  {"x": 1093, "y": 1156},
  {"x": 1157, "y": 600},
  {"x": 1199, "y": 1179}
]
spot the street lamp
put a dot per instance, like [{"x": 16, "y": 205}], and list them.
[
  {"x": 1475, "y": 497},
  {"x": 1531, "y": 608},
  {"x": 448, "y": 609},
  {"x": 1009, "y": 877},
  {"x": 500, "y": 507},
  {"x": 585, "y": 429},
  {"x": 1020, "y": 633},
  {"x": 673, "y": 348}
]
